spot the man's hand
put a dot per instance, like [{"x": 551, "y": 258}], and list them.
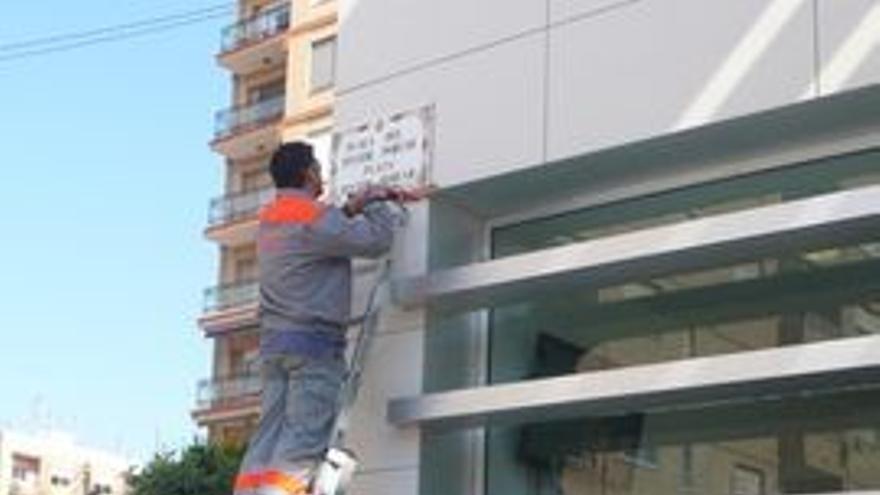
[
  {"x": 358, "y": 201},
  {"x": 408, "y": 195}
]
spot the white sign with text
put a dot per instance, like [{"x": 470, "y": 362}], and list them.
[{"x": 395, "y": 150}]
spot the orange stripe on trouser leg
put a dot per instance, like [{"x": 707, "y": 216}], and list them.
[
  {"x": 270, "y": 479},
  {"x": 290, "y": 484},
  {"x": 248, "y": 481}
]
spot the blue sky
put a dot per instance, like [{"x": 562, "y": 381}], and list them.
[{"x": 104, "y": 184}]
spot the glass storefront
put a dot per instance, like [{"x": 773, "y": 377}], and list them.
[
  {"x": 821, "y": 443},
  {"x": 799, "y": 445},
  {"x": 801, "y": 298},
  {"x": 785, "y": 445}
]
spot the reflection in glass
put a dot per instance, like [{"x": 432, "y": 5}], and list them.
[
  {"x": 801, "y": 444},
  {"x": 799, "y": 298},
  {"x": 820, "y": 444}
]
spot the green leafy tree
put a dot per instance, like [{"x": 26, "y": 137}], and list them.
[{"x": 201, "y": 469}]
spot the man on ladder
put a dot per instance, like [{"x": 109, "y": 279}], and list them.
[{"x": 305, "y": 250}]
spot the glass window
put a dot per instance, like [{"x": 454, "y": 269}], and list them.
[
  {"x": 255, "y": 180},
  {"x": 798, "y": 298},
  {"x": 25, "y": 469},
  {"x": 819, "y": 444},
  {"x": 323, "y": 73},
  {"x": 244, "y": 263},
  {"x": 267, "y": 91}
]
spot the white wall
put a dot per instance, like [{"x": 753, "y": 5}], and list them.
[
  {"x": 489, "y": 108},
  {"x": 389, "y": 455},
  {"x": 385, "y": 38},
  {"x": 520, "y": 82},
  {"x": 849, "y": 41},
  {"x": 657, "y": 66}
]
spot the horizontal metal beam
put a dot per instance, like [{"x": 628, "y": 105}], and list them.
[
  {"x": 815, "y": 222},
  {"x": 673, "y": 385}
]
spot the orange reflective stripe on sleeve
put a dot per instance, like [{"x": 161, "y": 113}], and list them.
[
  {"x": 290, "y": 210},
  {"x": 289, "y": 484}
]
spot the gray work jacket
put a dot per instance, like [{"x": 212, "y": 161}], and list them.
[{"x": 305, "y": 250}]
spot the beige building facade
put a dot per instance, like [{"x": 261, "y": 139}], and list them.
[
  {"x": 281, "y": 59},
  {"x": 53, "y": 464}
]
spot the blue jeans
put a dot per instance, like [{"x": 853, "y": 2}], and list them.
[{"x": 299, "y": 405}]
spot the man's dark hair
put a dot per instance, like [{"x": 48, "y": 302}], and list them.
[{"x": 290, "y": 163}]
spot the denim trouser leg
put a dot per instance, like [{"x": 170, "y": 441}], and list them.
[
  {"x": 311, "y": 406},
  {"x": 299, "y": 405},
  {"x": 263, "y": 440}
]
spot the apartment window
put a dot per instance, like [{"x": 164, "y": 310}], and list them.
[
  {"x": 267, "y": 91},
  {"x": 25, "y": 469},
  {"x": 245, "y": 264},
  {"x": 254, "y": 180},
  {"x": 235, "y": 434},
  {"x": 246, "y": 269},
  {"x": 243, "y": 351},
  {"x": 58, "y": 480},
  {"x": 323, "y": 70},
  {"x": 100, "y": 489}
]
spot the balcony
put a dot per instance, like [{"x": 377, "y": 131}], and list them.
[
  {"x": 268, "y": 23},
  {"x": 229, "y": 296},
  {"x": 227, "y": 396},
  {"x": 230, "y": 307},
  {"x": 234, "y": 207},
  {"x": 228, "y": 216},
  {"x": 255, "y": 42},
  {"x": 236, "y": 120},
  {"x": 247, "y": 130}
]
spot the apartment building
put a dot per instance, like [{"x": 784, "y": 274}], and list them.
[
  {"x": 651, "y": 265},
  {"x": 281, "y": 60},
  {"x": 53, "y": 464}
]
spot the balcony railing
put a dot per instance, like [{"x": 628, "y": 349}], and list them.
[
  {"x": 231, "y": 295},
  {"x": 265, "y": 24},
  {"x": 234, "y": 207},
  {"x": 227, "y": 391},
  {"x": 238, "y": 119}
]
